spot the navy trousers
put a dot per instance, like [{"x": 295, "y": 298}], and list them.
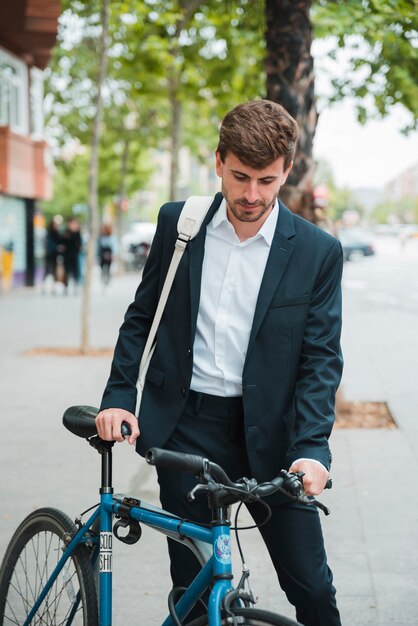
[{"x": 213, "y": 427}]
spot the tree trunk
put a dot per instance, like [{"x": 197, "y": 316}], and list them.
[
  {"x": 290, "y": 82},
  {"x": 121, "y": 204},
  {"x": 93, "y": 204},
  {"x": 175, "y": 106},
  {"x": 187, "y": 9}
]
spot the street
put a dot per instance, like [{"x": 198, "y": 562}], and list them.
[{"x": 372, "y": 534}]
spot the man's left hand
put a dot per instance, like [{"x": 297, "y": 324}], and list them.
[{"x": 315, "y": 478}]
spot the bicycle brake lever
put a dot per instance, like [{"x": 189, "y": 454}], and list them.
[
  {"x": 321, "y": 506},
  {"x": 192, "y": 494},
  {"x": 311, "y": 501}
]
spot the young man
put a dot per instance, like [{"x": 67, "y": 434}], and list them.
[{"x": 248, "y": 358}]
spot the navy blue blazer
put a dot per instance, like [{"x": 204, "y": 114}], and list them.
[{"x": 293, "y": 364}]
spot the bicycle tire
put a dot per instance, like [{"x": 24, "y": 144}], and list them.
[
  {"x": 253, "y": 617},
  {"x": 32, "y": 554}
]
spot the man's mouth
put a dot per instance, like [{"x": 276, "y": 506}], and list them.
[{"x": 245, "y": 205}]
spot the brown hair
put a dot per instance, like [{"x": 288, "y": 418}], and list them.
[{"x": 258, "y": 132}]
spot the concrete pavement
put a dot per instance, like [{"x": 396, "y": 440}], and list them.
[{"x": 372, "y": 534}]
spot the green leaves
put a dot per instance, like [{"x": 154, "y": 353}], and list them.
[
  {"x": 206, "y": 55},
  {"x": 382, "y": 35}
]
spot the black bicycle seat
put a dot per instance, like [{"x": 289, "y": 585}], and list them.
[{"x": 80, "y": 420}]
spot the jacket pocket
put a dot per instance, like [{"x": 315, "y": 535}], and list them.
[
  {"x": 297, "y": 300},
  {"x": 155, "y": 376}
]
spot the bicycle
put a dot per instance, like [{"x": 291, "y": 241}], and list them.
[{"x": 48, "y": 574}]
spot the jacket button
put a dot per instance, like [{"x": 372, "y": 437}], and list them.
[
  {"x": 183, "y": 392},
  {"x": 189, "y": 352}
]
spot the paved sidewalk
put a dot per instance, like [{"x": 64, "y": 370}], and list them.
[{"x": 372, "y": 534}]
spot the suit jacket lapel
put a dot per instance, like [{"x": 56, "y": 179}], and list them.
[
  {"x": 196, "y": 251},
  {"x": 280, "y": 253}
]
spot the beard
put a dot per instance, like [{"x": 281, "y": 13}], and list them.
[{"x": 245, "y": 211}]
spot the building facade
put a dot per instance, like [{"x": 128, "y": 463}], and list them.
[{"x": 28, "y": 31}]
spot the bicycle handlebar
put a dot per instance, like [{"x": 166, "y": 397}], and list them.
[
  {"x": 192, "y": 463},
  {"x": 201, "y": 467}
]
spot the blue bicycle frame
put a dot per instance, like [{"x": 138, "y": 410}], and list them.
[
  {"x": 218, "y": 568},
  {"x": 216, "y": 562}
]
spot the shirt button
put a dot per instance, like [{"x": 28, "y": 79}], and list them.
[{"x": 183, "y": 392}]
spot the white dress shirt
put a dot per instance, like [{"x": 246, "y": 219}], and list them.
[
  {"x": 231, "y": 277},
  {"x": 232, "y": 272}
]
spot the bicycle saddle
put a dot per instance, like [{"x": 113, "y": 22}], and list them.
[{"x": 80, "y": 420}]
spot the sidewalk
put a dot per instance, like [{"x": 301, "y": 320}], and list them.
[{"x": 372, "y": 534}]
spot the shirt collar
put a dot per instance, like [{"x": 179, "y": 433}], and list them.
[{"x": 266, "y": 231}]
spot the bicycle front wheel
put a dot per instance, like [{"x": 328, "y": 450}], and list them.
[
  {"x": 31, "y": 557},
  {"x": 251, "y": 617}
]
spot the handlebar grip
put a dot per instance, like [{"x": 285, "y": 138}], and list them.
[
  {"x": 175, "y": 460},
  {"x": 266, "y": 489},
  {"x": 125, "y": 429},
  {"x": 192, "y": 463}
]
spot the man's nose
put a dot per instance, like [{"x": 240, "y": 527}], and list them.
[{"x": 251, "y": 192}]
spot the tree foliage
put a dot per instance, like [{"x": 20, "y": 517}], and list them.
[
  {"x": 161, "y": 55},
  {"x": 381, "y": 37},
  {"x": 201, "y": 58}
]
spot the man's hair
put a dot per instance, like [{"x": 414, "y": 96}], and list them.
[{"x": 258, "y": 132}]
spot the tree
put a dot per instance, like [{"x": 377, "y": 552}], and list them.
[
  {"x": 193, "y": 50},
  {"x": 187, "y": 70},
  {"x": 290, "y": 81},
  {"x": 382, "y": 39},
  {"x": 385, "y": 53},
  {"x": 93, "y": 205}
]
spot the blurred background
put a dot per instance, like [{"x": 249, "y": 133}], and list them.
[{"x": 108, "y": 109}]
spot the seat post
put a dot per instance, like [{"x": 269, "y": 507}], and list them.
[
  {"x": 106, "y": 452},
  {"x": 104, "y": 448}
]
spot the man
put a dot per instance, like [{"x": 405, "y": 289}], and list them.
[{"x": 248, "y": 360}]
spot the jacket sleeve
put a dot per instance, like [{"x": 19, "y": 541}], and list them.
[
  {"x": 320, "y": 366},
  {"x": 121, "y": 391}
]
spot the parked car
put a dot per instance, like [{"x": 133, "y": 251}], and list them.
[{"x": 355, "y": 245}]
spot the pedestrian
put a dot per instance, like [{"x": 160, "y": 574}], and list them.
[
  {"x": 53, "y": 249},
  {"x": 72, "y": 247},
  {"x": 247, "y": 359},
  {"x": 105, "y": 251}
]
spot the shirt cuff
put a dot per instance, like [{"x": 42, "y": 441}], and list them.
[{"x": 312, "y": 460}]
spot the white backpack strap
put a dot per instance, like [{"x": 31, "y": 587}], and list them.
[
  {"x": 192, "y": 215},
  {"x": 189, "y": 223}
]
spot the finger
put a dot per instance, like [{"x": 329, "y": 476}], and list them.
[
  {"x": 134, "y": 431},
  {"x": 108, "y": 427},
  {"x": 100, "y": 425},
  {"x": 117, "y": 430}
]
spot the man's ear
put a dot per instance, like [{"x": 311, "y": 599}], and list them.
[
  {"x": 287, "y": 172},
  {"x": 219, "y": 164}
]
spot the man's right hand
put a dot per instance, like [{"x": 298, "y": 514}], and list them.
[{"x": 109, "y": 421}]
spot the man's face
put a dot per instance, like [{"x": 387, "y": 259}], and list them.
[{"x": 250, "y": 193}]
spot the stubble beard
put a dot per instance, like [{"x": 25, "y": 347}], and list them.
[{"x": 237, "y": 208}]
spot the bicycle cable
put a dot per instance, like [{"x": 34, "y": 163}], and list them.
[
  {"x": 172, "y": 607},
  {"x": 237, "y": 528},
  {"x": 87, "y": 510}
]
